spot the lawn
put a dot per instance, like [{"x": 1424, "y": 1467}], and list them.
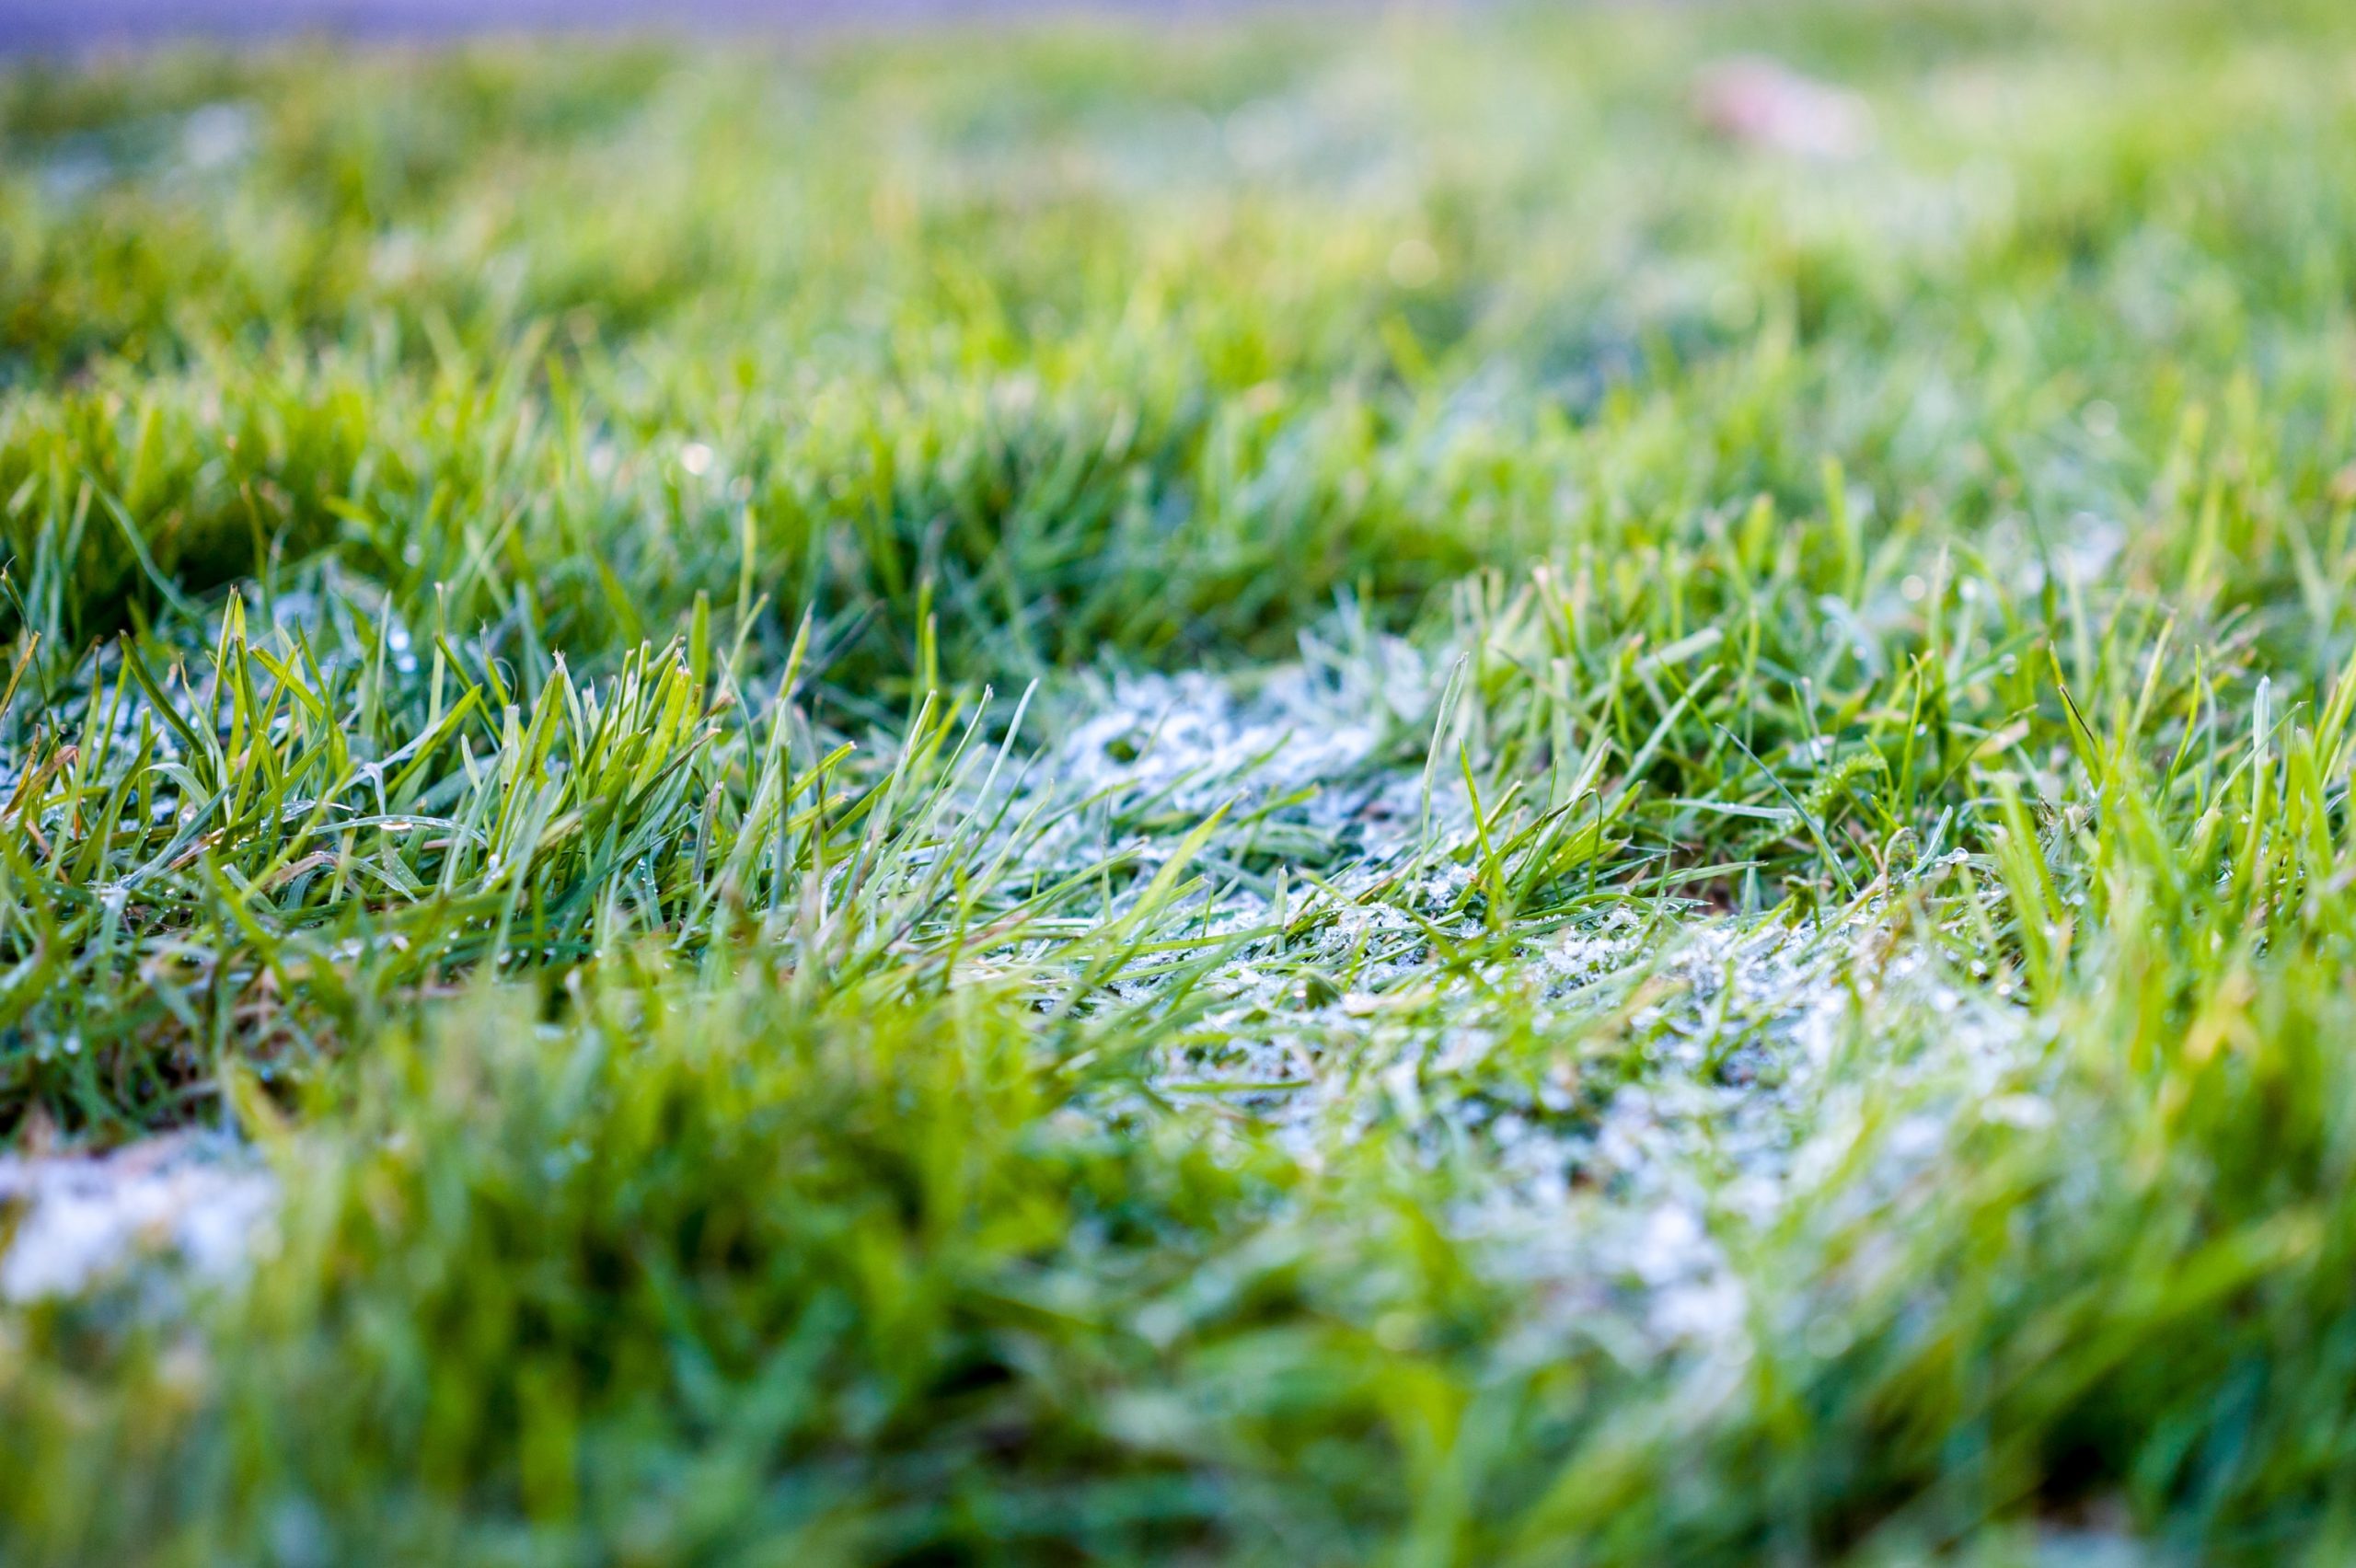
[{"x": 1306, "y": 791}]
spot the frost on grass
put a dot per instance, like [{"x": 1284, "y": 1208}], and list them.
[
  {"x": 186, "y": 1202},
  {"x": 1319, "y": 730},
  {"x": 1606, "y": 1082},
  {"x": 1607, "y": 1093}
]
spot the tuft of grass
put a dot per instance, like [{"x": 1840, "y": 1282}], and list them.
[{"x": 1254, "y": 793}]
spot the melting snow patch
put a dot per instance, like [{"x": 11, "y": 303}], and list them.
[
  {"x": 1608, "y": 1199},
  {"x": 68, "y": 1223},
  {"x": 1196, "y": 738}
]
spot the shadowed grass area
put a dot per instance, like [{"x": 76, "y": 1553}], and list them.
[{"x": 1284, "y": 793}]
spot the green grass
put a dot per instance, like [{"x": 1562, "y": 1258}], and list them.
[{"x": 1299, "y": 792}]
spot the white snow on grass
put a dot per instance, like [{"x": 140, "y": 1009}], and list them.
[
  {"x": 185, "y": 1201},
  {"x": 1324, "y": 727},
  {"x": 1731, "y": 1085},
  {"x": 1612, "y": 1090}
]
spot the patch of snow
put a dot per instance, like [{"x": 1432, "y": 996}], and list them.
[
  {"x": 1707, "y": 1077},
  {"x": 218, "y": 136},
  {"x": 71, "y": 1222},
  {"x": 1196, "y": 737}
]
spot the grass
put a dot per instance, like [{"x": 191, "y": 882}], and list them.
[{"x": 1276, "y": 793}]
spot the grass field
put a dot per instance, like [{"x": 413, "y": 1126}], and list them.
[{"x": 1301, "y": 793}]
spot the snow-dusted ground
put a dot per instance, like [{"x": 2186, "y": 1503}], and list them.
[
  {"x": 1741, "y": 1055},
  {"x": 189, "y": 1201},
  {"x": 1742, "y": 1087}
]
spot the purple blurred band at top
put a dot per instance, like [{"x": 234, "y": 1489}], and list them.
[{"x": 64, "y": 27}]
